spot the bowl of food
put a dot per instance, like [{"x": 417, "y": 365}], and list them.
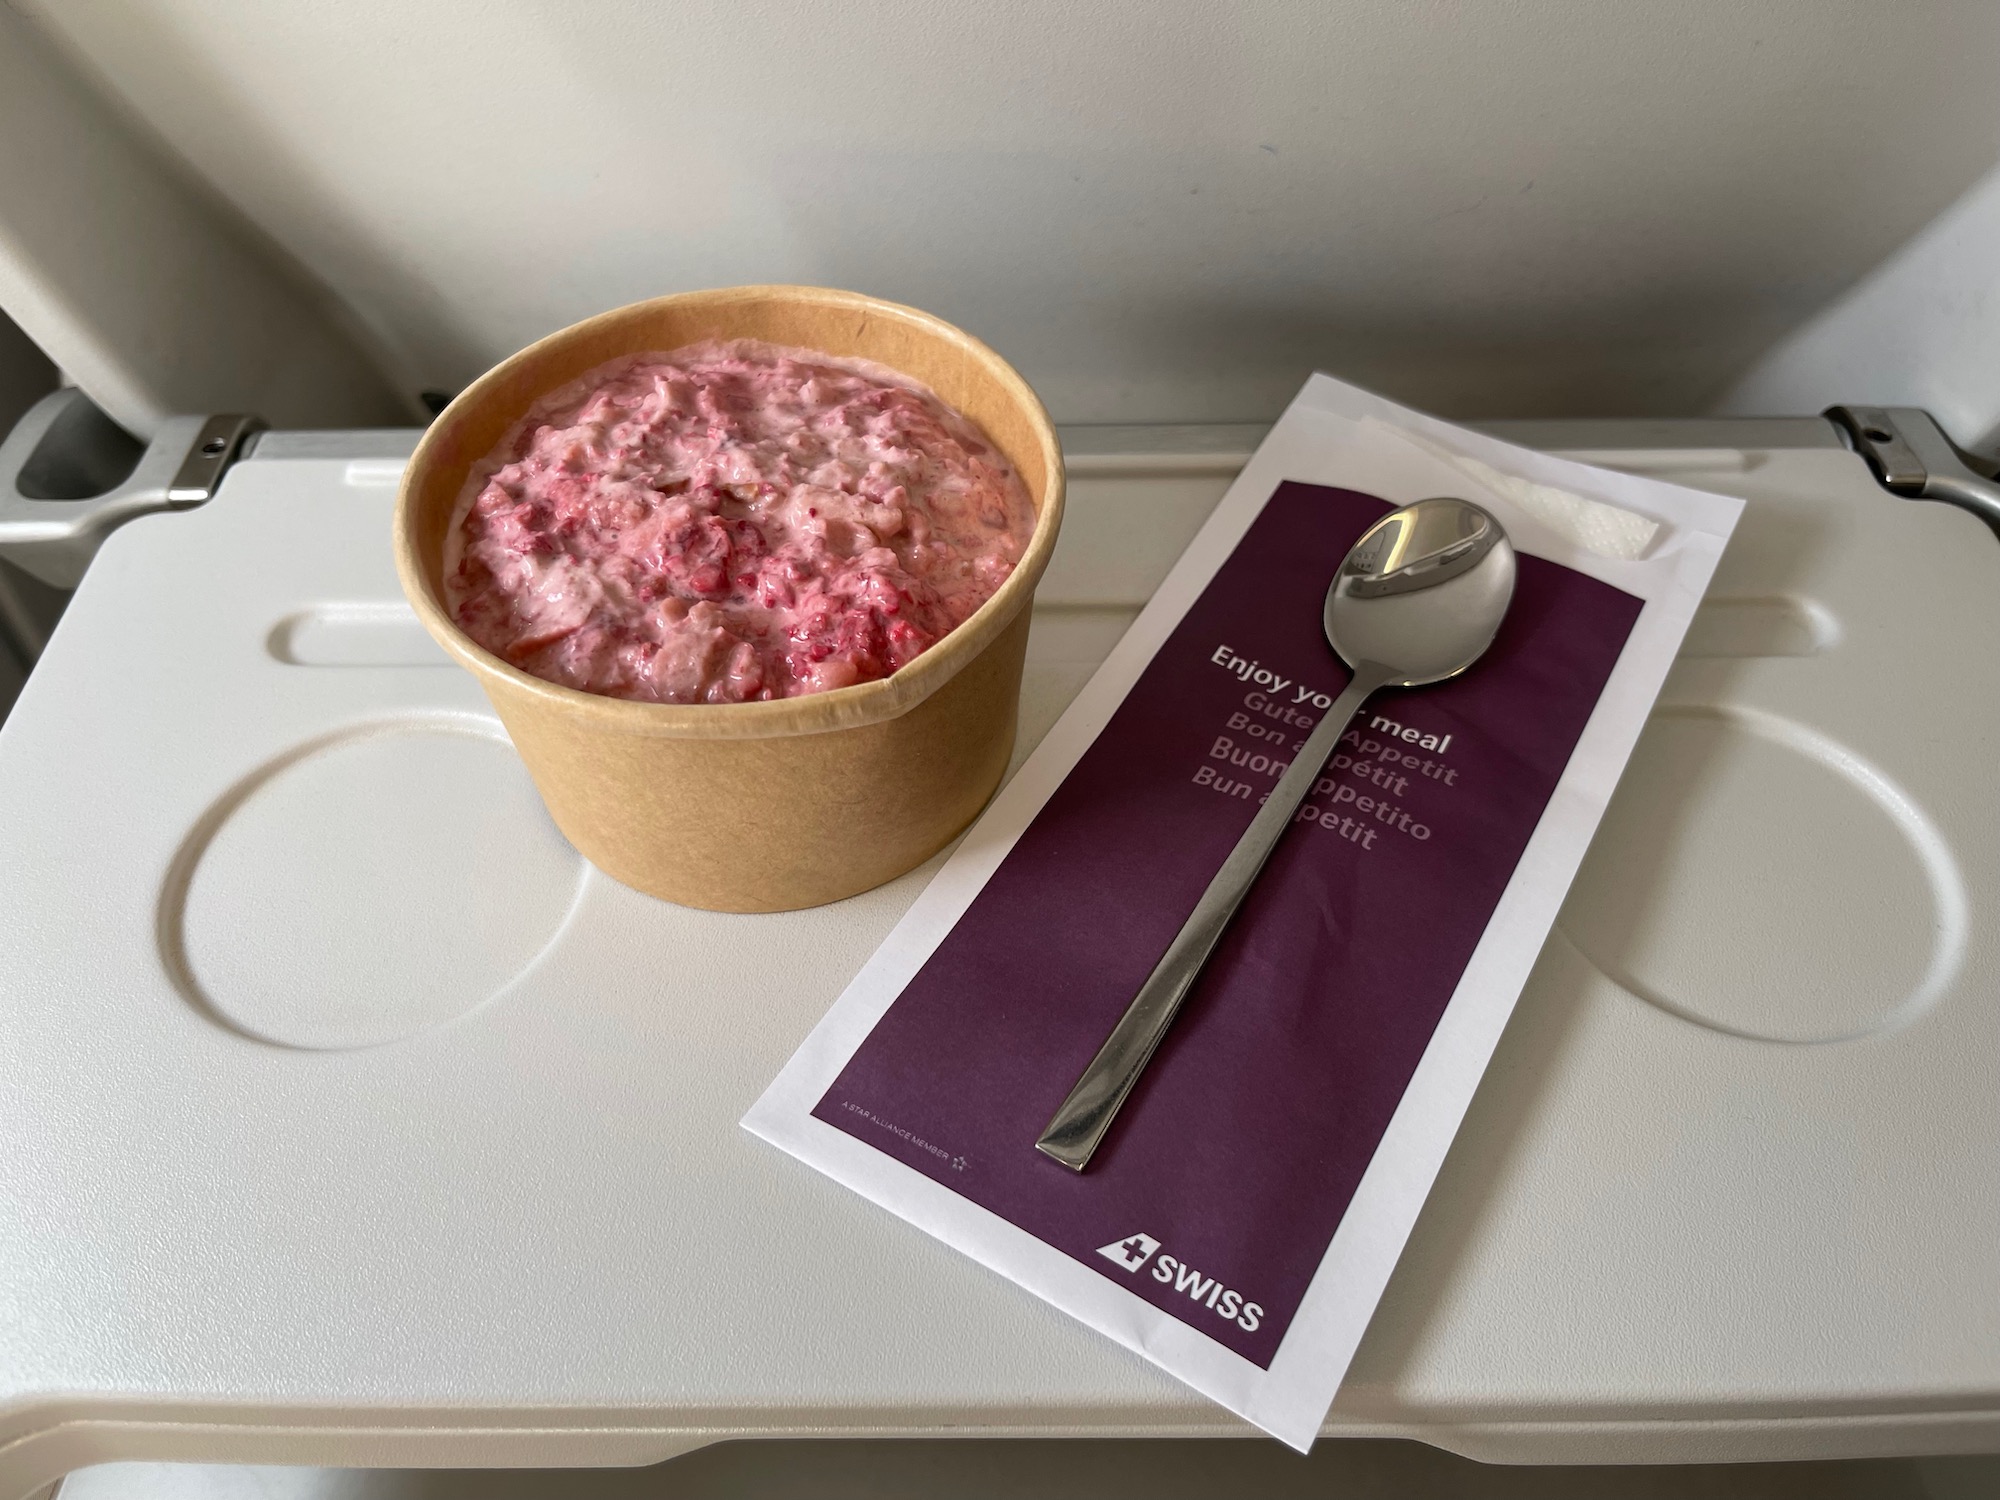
[{"x": 745, "y": 574}]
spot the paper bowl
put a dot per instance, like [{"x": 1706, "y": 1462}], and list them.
[{"x": 756, "y": 806}]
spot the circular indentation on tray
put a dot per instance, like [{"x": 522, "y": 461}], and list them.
[
  {"x": 368, "y": 886},
  {"x": 1755, "y": 877}
]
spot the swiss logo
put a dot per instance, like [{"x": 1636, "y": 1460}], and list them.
[
  {"x": 1131, "y": 1252},
  {"x": 1135, "y": 1251}
]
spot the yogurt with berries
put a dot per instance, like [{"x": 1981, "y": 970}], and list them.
[{"x": 731, "y": 522}]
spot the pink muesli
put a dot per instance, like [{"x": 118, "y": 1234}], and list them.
[{"x": 730, "y": 522}]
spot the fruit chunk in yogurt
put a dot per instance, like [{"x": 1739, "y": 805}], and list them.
[{"x": 730, "y": 522}]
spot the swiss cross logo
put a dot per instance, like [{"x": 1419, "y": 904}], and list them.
[{"x": 1130, "y": 1253}]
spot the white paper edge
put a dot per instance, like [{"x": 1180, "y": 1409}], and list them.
[{"x": 1290, "y": 1399}]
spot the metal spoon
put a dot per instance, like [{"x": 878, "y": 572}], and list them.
[{"x": 1418, "y": 599}]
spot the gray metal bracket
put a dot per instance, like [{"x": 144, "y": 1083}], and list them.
[
  {"x": 52, "y": 521},
  {"x": 1912, "y": 456}
]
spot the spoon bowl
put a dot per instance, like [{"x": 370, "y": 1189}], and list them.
[{"x": 1422, "y": 593}]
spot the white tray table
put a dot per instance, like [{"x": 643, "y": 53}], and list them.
[{"x": 349, "y": 1119}]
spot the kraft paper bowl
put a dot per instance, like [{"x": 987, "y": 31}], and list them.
[{"x": 756, "y": 806}]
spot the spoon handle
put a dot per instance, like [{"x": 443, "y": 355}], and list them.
[{"x": 1079, "y": 1125}]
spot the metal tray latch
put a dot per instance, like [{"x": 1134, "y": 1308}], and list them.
[
  {"x": 1912, "y": 456},
  {"x": 69, "y": 477}
]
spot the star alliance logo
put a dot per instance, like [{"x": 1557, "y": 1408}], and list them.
[{"x": 1130, "y": 1253}]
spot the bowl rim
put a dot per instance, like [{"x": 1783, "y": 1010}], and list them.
[{"x": 812, "y": 713}]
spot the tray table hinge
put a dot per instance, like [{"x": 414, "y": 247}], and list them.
[
  {"x": 69, "y": 477},
  {"x": 1912, "y": 456}
]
